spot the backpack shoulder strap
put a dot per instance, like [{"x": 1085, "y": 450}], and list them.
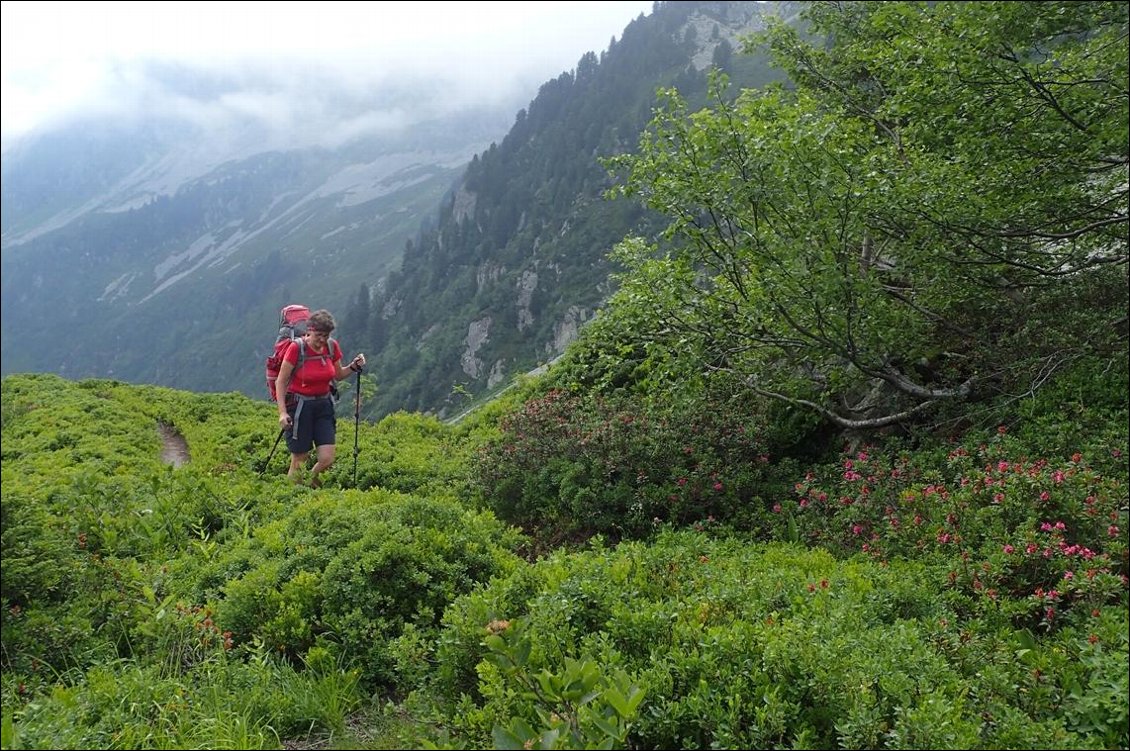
[{"x": 301, "y": 353}]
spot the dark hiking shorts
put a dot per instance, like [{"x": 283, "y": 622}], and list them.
[{"x": 317, "y": 426}]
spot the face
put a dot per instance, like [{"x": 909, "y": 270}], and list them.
[{"x": 318, "y": 337}]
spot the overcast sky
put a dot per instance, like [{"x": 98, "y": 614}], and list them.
[{"x": 59, "y": 58}]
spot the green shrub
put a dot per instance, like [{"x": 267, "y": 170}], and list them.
[
  {"x": 220, "y": 703},
  {"x": 766, "y": 646},
  {"x": 350, "y": 574},
  {"x": 570, "y": 466}
]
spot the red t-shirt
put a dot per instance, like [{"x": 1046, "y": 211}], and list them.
[{"x": 317, "y": 371}]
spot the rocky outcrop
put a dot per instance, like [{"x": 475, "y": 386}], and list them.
[
  {"x": 527, "y": 283},
  {"x": 463, "y": 205},
  {"x": 497, "y": 374},
  {"x": 567, "y": 329},
  {"x": 478, "y": 333}
]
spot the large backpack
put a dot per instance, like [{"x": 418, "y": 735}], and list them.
[{"x": 292, "y": 325}]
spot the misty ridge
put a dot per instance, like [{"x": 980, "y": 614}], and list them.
[
  {"x": 456, "y": 225},
  {"x": 208, "y": 117},
  {"x": 255, "y": 105}
]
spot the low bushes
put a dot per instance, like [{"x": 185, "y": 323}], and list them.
[
  {"x": 757, "y": 646},
  {"x": 350, "y": 575},
  {"x": 570, "y": 466}
]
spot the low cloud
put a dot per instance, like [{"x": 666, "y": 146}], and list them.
[{"x": 302, "y": 73}]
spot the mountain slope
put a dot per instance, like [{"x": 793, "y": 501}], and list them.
[
  {"x": 132, "y": 249},
  {"x": 518, "y": 260},
  {"x": 160, "y": 252}
]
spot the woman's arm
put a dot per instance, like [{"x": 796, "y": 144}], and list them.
[
  {"x": 353, "y": 366},
  {"x": 281, "y": 383}
]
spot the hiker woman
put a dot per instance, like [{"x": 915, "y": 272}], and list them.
[{"x": 307, "y": 411}]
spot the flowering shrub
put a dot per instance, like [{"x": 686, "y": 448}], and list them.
[
  {"x": 570, "y": 465},
  {"x": 1045, "y": 534}
]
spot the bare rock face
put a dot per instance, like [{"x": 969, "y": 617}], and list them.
[
  {"x": 463, "y": 205},
  {"x": 497, "y": 374},
  {"x": 567, "y": 329},
  {"x": 478, "y": 334},
  {"x": 526, "y": 286}
]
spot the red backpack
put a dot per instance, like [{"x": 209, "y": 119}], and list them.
[{"x": 292, "y": 325}]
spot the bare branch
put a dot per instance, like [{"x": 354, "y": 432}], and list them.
[{"x": 841, "y": 421}]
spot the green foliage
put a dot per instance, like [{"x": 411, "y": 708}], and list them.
[
  {"x": 123, "y": 576},
  {"x": 576, "y": 708},
  {"x": 201, "y": 606},
  {"x": 934, "y": 214},
  {"x": 409, "y": 453},
  {"x": 350, "y": 575},
  {"x": 221, "y": 704},
  {"x": 576, "y": 465},
  {"x": 741, "y": 646}
]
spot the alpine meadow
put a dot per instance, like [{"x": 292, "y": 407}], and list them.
[{"x": 829, "y": 449}]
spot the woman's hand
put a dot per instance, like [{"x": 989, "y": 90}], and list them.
[
  {"x": 357, "y": 364},
  {"x": 285, "y": 421}
]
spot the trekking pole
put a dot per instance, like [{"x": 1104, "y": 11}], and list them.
[
  {"x": 356, "y": 427},
  {"x": 268, "y": 461}
]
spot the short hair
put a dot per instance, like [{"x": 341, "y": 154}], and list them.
[{"x": 321, "y": 320}]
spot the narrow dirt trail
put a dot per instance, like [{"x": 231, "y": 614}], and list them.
[{"x": 174, "y": 449}]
